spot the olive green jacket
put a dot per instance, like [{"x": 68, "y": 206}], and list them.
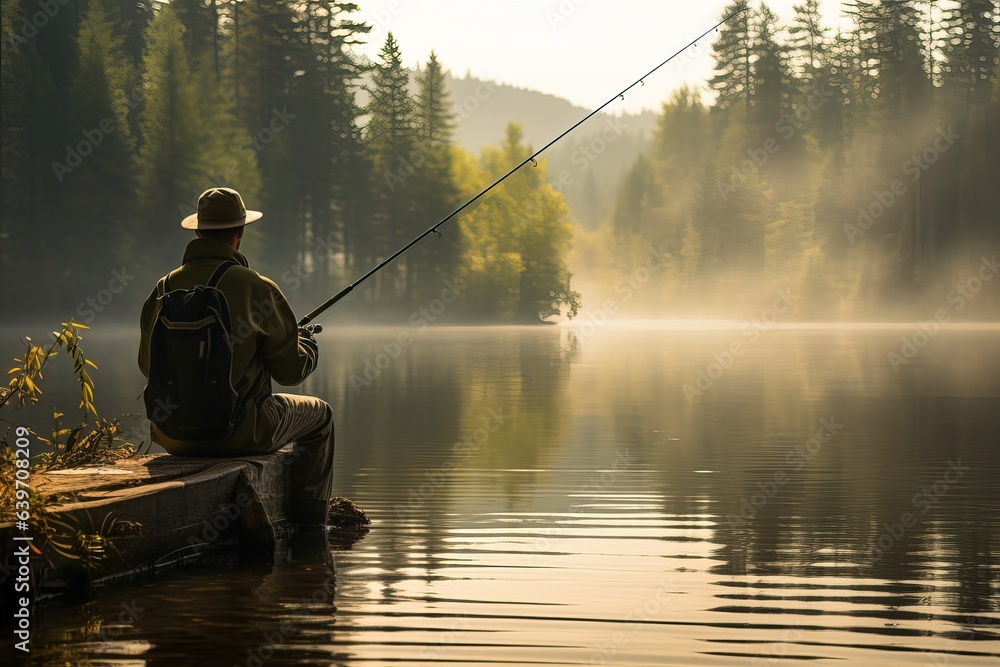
[{"x": 266, "y": 342}]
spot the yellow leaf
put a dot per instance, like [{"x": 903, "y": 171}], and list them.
[
  {"x": 90, "y": 363},
  {"x": 14, "y": 370},
  {"x": 78, "y": 325}
]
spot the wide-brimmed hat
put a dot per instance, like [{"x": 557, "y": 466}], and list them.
[{"x": 220, "y": 208}]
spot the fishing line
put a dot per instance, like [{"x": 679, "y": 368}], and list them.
[{"x": 531, "y": 158}]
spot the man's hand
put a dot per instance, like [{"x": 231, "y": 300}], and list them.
[{"x": 308, "y": 332}]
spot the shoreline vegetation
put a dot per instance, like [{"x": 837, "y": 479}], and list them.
[{"x": 84, "y": 548}]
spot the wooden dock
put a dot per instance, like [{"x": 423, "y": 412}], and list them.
[{"x": 160, "y": 510}]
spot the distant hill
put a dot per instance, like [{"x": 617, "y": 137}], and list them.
[{"x": 586, "y": 166}]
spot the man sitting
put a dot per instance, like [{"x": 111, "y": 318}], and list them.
[{"x": 266, "y": 344}]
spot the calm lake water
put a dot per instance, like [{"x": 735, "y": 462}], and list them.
[{"x": 625, "y": 495}]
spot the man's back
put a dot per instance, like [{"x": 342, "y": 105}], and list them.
[{"x": 265, "y": 336}]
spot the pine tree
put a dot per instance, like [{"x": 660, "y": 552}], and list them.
[
  {"x": 391, "y": 140},
  {"x": 732, "y": 52},
  {"x": 172, "y": 157},
  {"x": 99, "y": 102},
  {"x": 200, "y": 21},
  {"x": 970, "y": 78},
  {"x": 770, "y": 89},
  {"x": 349, "y": 179},
  {"x": 678, "y": 154},
  {"x": 229, "y": 158},
  {"x": 808, "y": 39},
  {"x": 275, "y": 83},
  {"x": 891, "y": 38},
  {"x": 972, "y": 40},
  {"x": 35, "y": 134},
  {"x": 436, "y": 192}
]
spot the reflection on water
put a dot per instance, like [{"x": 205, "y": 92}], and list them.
[{"x": 626, "y": 496}]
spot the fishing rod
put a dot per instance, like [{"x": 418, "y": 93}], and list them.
[{"x": 531, "y": 158}]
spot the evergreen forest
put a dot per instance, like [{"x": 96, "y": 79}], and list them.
[{"x": 855, "y": 169}]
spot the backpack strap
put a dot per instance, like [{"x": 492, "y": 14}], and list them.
[
  {"x": 163, "y": 286},
  {"x": 220, "y": 272}
]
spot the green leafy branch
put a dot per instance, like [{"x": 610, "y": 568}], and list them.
[{"x": 24, "y": 383}]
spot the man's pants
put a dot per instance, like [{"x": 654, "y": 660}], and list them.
[{"x": 308, "y": 422}]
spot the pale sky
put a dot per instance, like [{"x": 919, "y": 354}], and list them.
[{"x": 583, "y": 50}]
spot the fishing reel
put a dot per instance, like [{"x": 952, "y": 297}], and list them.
[{"x": 314, "y": 328}]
